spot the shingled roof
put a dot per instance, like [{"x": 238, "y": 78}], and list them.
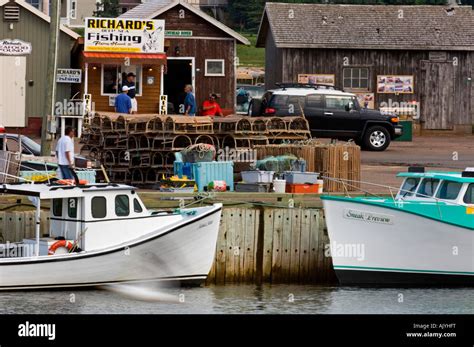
[
  {"x": 368, "y": 26},
  {"x": 157, "y": 7}
]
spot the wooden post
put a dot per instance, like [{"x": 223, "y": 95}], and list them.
[{"x": 51, "y": 78}]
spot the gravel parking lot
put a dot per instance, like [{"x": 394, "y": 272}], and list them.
[{"x": 444, "y": 153}]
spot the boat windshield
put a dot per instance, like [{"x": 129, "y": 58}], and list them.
[
  {"x": 427, "y": 187},
  {"x": 469, "y": 196},
  {"x": 449, "y": 190},
  {"x": 409, "y": 186}
]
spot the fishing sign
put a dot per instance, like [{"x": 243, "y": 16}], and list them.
[{"x": 124, "y": 35}]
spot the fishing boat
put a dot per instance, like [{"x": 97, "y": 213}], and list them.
[
  {"x": 103, "y": 234},
  {"x": 421, "y": 235}
]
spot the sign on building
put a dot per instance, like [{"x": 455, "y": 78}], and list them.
[
  {"x": 124, "y": 35},
  {"x": 14, "y": 47},
  {"x": 69, "y": 76},
  {"x": 163, "y": 105}
]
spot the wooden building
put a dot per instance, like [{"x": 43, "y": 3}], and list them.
[
  {"x": 24, "y": 38},
  {"x": 421, "y": 55},
  {"x": 199, "y": 50}
]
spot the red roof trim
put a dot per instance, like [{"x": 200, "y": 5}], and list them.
[{"x": 107, "y": 55}]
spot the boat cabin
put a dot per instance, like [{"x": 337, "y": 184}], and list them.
[
  {"x": 454, "y": 187},
  {"x": 91, "y": 217}
]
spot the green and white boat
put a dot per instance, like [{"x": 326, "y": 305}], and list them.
[{"x": 423, "y": 235}]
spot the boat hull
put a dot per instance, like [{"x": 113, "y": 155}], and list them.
[
  {"x": 181, "y": 252},
  {"x": 375, "y": 245}
]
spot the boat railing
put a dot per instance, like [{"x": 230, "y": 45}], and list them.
[{"x": 356, "y": 187}]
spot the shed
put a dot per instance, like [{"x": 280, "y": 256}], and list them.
[
  {"x": 395, "y": 55},
  {"x": 24, "y": 40},
  {"x": 200, "y": 51}
]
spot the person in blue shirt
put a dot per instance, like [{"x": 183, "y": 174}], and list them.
[
  {"x": 189, "y": 101},
  {"x": 123, "y": 103}
]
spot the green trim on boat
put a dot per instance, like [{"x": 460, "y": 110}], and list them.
[
  {"x": 443, "y": 212},
  {"x": 342, "y": 267},
  {"x": 450, "y": 176}
]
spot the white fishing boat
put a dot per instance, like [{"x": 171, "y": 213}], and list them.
[
  {"x": 422, "y": 235},
  {"x": 102, "y": 234}
]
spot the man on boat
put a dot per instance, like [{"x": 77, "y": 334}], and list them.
[{"x": 65, "y": 153}]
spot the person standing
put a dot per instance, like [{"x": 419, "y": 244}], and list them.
[
  {"x": 65, "y": 153},
  {"x": 123, "y": 103},
  {"x": 132, "y": 91},
  {"x": 189, "y": 101},
  {"x": 211, "y": 108}
]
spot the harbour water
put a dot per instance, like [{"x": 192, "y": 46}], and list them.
[{"x": 248, "y": 299}]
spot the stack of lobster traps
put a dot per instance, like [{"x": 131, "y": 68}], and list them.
[{"x": 139, "y": 149}]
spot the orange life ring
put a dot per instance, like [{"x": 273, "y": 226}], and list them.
[{"x": 58, "y": 244}]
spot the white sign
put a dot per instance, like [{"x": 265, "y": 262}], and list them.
[
  {"x": 124, "y": 35},
  {"x": 112, "y": 100},
  {"x": 368, "y": 216},
  {"x": 69, "y": 76},
  {"x": 163, "y": 105},
  {"x": 14, "y": 47}
]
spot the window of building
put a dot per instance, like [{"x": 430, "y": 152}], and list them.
[
  {"x": 122, "y": 205},
  {"x": 99, "y": 207},
  {"x": 356, "y": 78},
  {"x": 338, "y": 102},
  {"x": 57, "y": 207},
  {"x": 72, "y": 207},
  {"x": 215, "y": 67},
  {"x": 449, "y": 190},
  {"x": 136, "y": 206},
  {"x": 114, "y": 75},
  {"x": 427, "y": 187}
]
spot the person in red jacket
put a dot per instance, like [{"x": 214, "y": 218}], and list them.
[{"x": 211, "y": 108}]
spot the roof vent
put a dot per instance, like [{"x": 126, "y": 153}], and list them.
[
  {"x": 468, "y": 173},
  {"x": 416, "y": 169},
  {"x": 11, "y": 13}
]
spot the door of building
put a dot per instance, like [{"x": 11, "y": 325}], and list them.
[
  {"x": 12, "y": 91},
  {"x": 437, "y": 95},
  {"x": 179, "y": 72}
]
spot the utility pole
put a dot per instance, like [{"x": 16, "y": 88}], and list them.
[{"x": 48, "y": 113}]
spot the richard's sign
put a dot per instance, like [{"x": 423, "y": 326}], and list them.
[
  {"x": 124, "y": 35},
  {"x": 14, "y": 47}
]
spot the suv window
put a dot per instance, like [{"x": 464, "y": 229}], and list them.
[
  {"x": 278, "y": 101},
  {"x": 338, "y": 102},
  {"x": 314, "y": 100}
]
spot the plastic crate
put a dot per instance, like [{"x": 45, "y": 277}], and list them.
[
  {"x": 293, "y": 177},
  {"x": 302, "y": 188},
  {"x": 183, "y": 169},
  {"x": 257, "y": 176},
  {"x": 252, "y": 187},
  {"x": 207, "y": 172}
]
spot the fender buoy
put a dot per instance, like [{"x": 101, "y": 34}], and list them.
[
  {"x": 71, "y": 182},
  {"x": 58, "y": 244}
]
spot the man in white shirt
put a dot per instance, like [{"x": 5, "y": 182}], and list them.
[{"x": 65, "y": 153}]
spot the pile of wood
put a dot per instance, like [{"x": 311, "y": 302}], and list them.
[
  {"x": 139, "y": 149},
  {"x": 338, "y": 163}
]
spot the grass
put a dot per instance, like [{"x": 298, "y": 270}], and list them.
[{"x": 250, "y": 56}]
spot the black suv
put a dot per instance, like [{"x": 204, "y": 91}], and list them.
[{"x": 330, "y": 113}]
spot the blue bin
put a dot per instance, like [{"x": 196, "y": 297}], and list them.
[
  {"x": 207, "y": 172},
  {"x": 183, "y": 169}
]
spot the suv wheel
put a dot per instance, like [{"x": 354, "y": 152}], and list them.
[{"x": 376, "y": 138}]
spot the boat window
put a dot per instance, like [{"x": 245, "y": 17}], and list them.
[
  {"x": 409, "y": 186},
  {"x": 72, "y": 207},
  {"x": 427, "y": 187},
  {"x": 136, "y": 206},
  {"x": 58, "y": 207},
  {"x": 99, "y": 207},
  {"x": 469, "y": 196},
  {"x": 122, "y": 205},
  {"x": 449, "y": 190}
]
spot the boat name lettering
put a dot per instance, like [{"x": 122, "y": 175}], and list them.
[{"x": 368, "y": 216}]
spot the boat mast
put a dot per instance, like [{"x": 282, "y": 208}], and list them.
[{"x": 37, "y": 226}]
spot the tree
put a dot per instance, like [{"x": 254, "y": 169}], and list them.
[{"x": 107, "y": 8}]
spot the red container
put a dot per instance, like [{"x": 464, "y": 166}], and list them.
[{"x": 302, "y": 188}]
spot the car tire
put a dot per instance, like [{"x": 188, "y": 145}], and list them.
[
  {"x": 376, "y": 138},
  {"x": 255, "y": 108}
]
